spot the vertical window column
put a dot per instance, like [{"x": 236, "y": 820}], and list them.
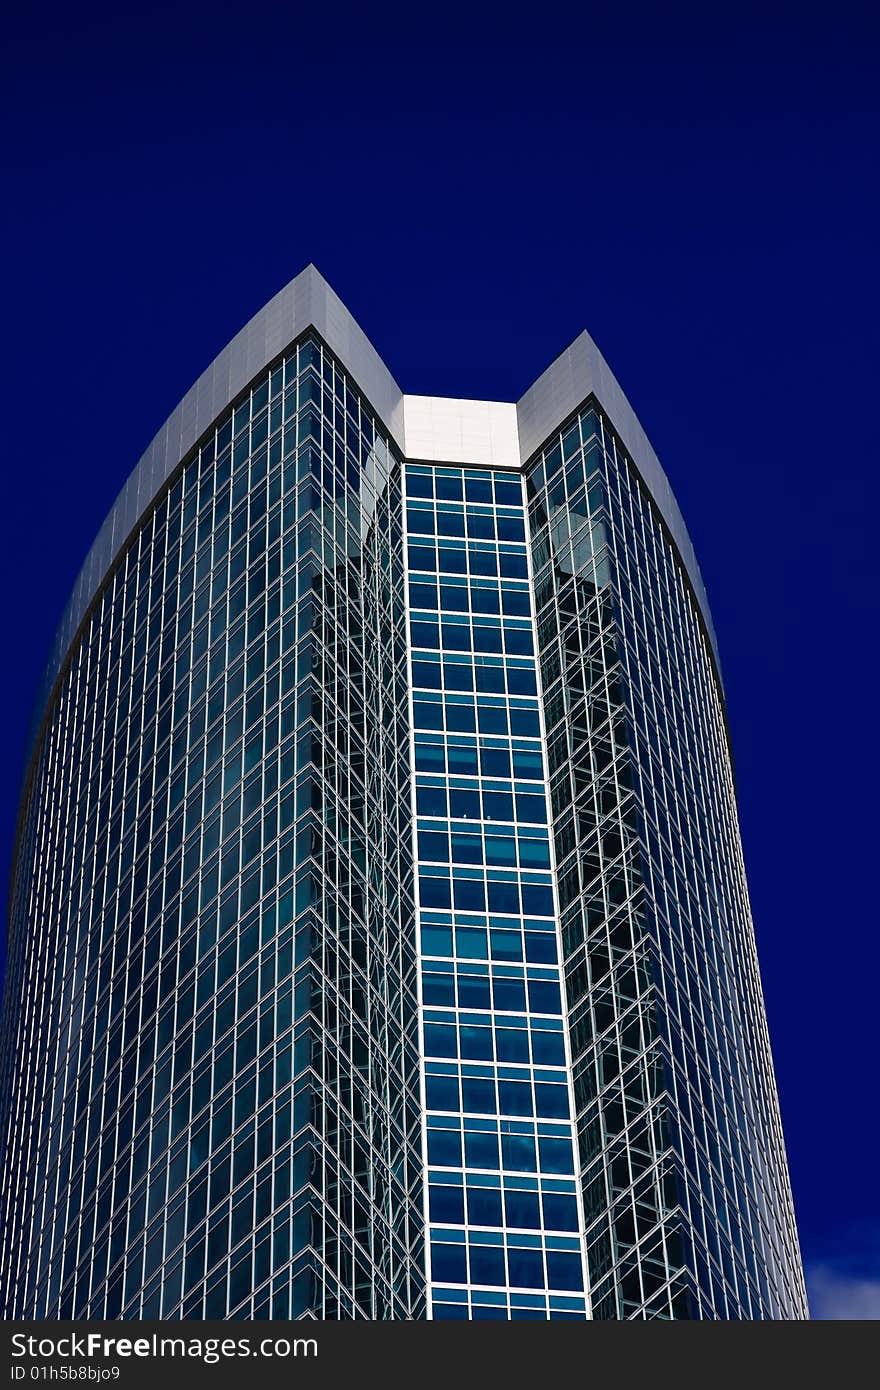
[{"x": 502, "y": 1203}]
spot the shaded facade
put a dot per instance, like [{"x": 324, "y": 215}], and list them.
[{"x": 379, "y": 936}]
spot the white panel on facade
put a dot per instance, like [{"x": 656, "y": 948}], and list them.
[{"x": 438, "y": 429}]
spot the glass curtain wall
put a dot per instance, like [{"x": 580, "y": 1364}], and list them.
[
  {"x": 380, "y": 944},
  {"x": 218, "y": 995},
  {"x": 503, "y": 1204},
  {"x": 686, "y": 1194}
]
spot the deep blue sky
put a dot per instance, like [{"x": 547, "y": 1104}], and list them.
[{"x": 698, "y": 189}]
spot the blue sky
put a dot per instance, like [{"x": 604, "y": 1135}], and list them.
[{"x": 697, "y": 186}]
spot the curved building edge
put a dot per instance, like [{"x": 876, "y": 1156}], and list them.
[{"x": 309, "y": 302}]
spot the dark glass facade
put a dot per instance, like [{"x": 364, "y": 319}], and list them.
[
  {"x": 379, "y": 936},
  {"x": 687, "y": 1206},
  {"x": 219, "y": 1115},
  {"x": 504, "y": 1203}
]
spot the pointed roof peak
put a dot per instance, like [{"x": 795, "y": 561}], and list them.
[{"x": 308, "y": 301}]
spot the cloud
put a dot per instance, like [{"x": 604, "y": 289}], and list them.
[{"x": 837, "y": 1294}]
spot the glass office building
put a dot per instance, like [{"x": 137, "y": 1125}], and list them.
[{"x": 379, "y": 936}]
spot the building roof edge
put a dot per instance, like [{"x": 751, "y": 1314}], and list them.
[
  {"x": 308, "y": 301},
  {"x": 577, "y": 373}
]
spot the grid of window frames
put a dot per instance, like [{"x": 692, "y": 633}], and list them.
[
  {"x": 212, "y": 935},
  {"x": 213, "y": 966},
  {"x": 686, "y": 1193},
  {"x": 503, "y": 1205}
]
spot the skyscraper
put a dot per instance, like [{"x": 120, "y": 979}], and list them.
[{"x": 379, "y": 936}]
